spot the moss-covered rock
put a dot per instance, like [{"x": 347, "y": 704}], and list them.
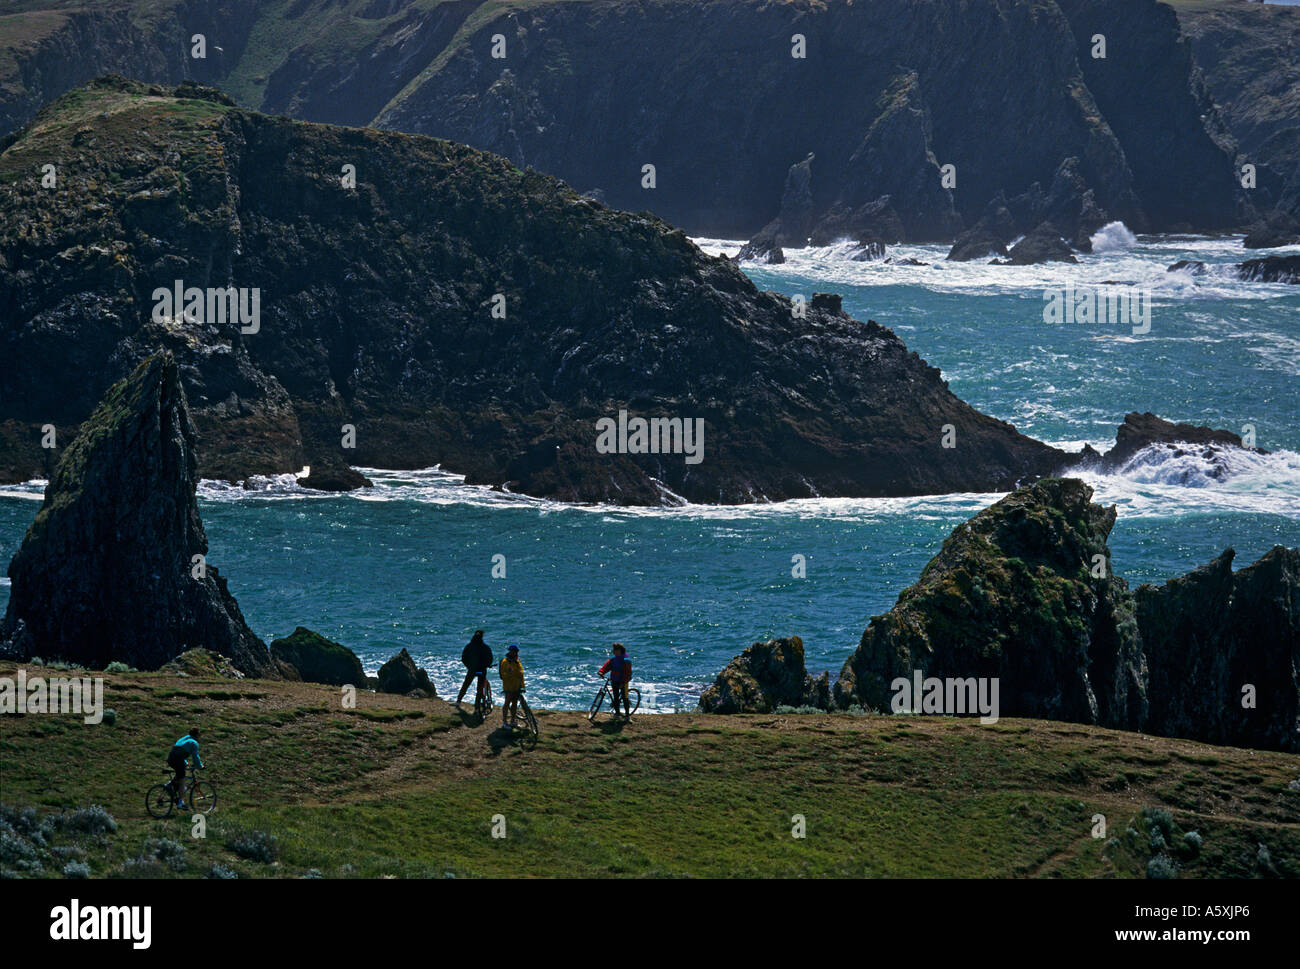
[
  {"x": 765, "y": 676},
  {"x": 202, "y": 662},
  {"x": 1022, "y": 592},
  {"x": 319, "y": 660}
]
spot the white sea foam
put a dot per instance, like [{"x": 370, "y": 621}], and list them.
[
  {"x": 1161, "y": 481},
  {"x": 1112, "y": 237},
  {"x": 1143, "y": 261},
  {"x": 33, "y": 490},
  {"x": 1171, "y": 480}
]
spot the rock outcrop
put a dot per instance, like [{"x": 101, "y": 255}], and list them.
[
  {"x": 202, "y": 662},
  {"x": 401, "y": 675},
  {"x": 319, "y": 660},
  {"x": 334, "y": 475},
  {"x": 1141, "y": 431},
  {"x": 450, "y": 309},
  {"x": 1044, "y": 244},
  {"x": 1022, "y": 592},
  {"x": 1281, "y": 229},
  {"x": 110, "y": 568},
  {"x": 765, "y": 676},
  {"x": 1223, "y": 652},
  {"x": 1271, "y": 269}
]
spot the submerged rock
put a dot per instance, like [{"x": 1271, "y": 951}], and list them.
[
  {"x": 319, "y": 660},
  {"x": 1193, "y": 267},
  {"x": 763, "y": 677},
  {"x": 108, "y": 569},
  {"x": 401, "y": 675},
  {"x": 1022, "y": 592},
  {"x": 334, "y": 475}
]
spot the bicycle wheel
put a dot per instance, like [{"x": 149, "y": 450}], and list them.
[
  {"x": 595, "y": 705},
  {"x": 158, "y": 802},
  {"x": 633, "y": 701},
  {"x": 203, "y": 797},
  {"x": 483, "y": 703},
  {"x": 530, "y": 723}
]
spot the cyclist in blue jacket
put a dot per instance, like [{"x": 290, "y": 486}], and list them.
[{"x": 183, "y": 749}]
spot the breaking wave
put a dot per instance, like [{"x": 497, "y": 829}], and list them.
[{"x": 1113, "y": 237}]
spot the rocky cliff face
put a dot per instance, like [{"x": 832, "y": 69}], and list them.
[
  {"x": 1024, "y": 592},
  {"x": 448, "y": 309},
  {"x": 889, "y": 91},
  {"x": 1249, "y": 54},
  {"x": 1223, "y": 650},
  {"x": 107, "y": 570}
]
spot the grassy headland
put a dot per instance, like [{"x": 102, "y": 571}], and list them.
[{"x": 406, "y": 787}]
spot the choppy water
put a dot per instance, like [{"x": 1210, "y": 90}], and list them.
[{"x": 409, "y": 563}]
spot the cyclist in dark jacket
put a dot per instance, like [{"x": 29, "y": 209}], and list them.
[
  {"x": 183, "y": 749},
  {"x": 477, "y": 657}
]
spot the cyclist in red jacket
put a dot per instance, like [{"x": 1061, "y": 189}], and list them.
[{"x": 619, "y": 668}]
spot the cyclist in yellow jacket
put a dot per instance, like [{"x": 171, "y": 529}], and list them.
[{"x": 512, "y": 685}]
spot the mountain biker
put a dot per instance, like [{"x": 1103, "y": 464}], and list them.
[
  {"x": 186, "y": 747},
  {"x": 619, "y": 668},
  {"x": 512, "y": 685},
  {"x": 477, "y": 657}
]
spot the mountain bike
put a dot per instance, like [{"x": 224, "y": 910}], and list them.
[
  {"x": 633, "y": 699},
  {"x": 525, "y": 712},
  {"x": 483, "y": 699},
  {"x": 200, "y": 796}
]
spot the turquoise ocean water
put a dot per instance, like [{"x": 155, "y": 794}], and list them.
[{"x": 409, "y": 562}]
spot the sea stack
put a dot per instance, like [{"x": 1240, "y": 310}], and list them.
[
  {"x": 1023, "y": 592},
  {"x": 111, "y": 568}
]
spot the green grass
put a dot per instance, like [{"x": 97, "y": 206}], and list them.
[{"x": 405, "y": 787}]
